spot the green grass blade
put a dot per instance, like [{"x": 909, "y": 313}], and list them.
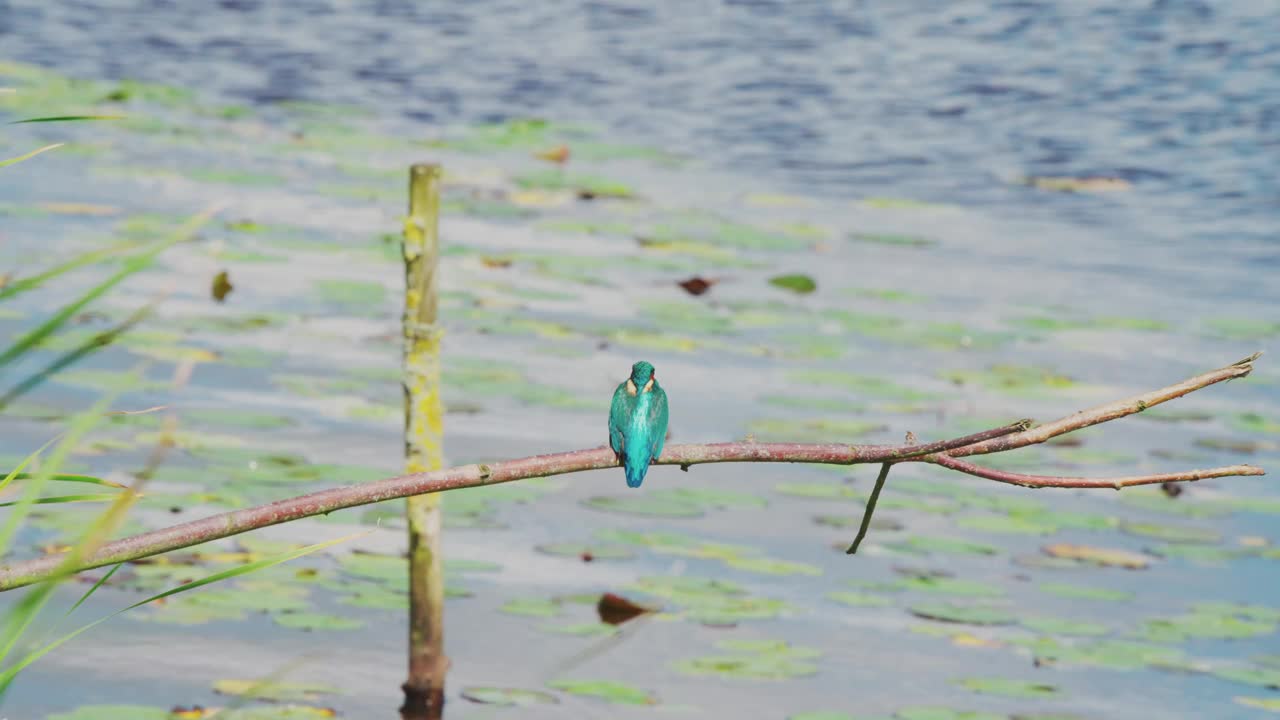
[
  {"x": 89, "y": 593},
  {"x": 70, "y": 477},
  {"x": 68, "y": 118},
  {"x": 133, "y": 265},
  {"x": 28, "y": 156},
  {"x": 21, "y": 285},
  {"x": 89, "y": 347},
  {"x": 56, "y": 499},
  {"x": 6, "y": 677},
  {"x": 25, "y": 612},
  {"x": 81, "y": 425},
  {"x": 16, "y": 473}
]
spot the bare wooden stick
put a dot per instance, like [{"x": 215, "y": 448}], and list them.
[
  {"x": 155, "y": 542},
  {"x": 423, "y": 447}
]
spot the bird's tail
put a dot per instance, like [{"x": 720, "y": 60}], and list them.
[{"x": 636, "y": 466}]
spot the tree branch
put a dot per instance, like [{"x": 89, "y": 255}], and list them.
[
  {"x": 1109, "y": 411},
  {"x": 944, "y": 453},
  {"x": 1043, "y": 481}
]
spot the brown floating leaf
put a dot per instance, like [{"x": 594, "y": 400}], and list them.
[
  {"x": 1109, "y": 557},
  {"x": 697, "y": 284},
  {"x": 558, "y": 155},
  {"x": 1080, "y": 184},
  {"x": 615, "y": 609},
  {"x": 221, "y": 286},
  {"x": 493, "y": 261}
]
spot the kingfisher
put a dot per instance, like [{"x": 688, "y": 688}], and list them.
[{"x": 638, "y": 422}]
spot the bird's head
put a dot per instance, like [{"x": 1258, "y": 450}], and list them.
[{"x": 642, "y": 376}]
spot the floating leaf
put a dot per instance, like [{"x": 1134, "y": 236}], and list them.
[
  {"x": 770, "y": 566},
  {"x": 892, "y": 239},
  {"x": 819, "y": 430},
  {"x": 860, "y": 599},
  {"x": 1014, "y": 524},
  {"x": 950, "y": 586},
  {"x": 532, "y": 607},
  {"x": 1271, "y": 704},
  {"x": 1180, "y": 628},
  {"x": 114, "y": 712},
  {"x": 1262, "y": 677},
  {"x": 954, "y": 546},
  {"x": 799, "y": 284},
  {"x": 1253, "y": 422},
  {"x": 316, "y": 621},
  {"x": 697, "y": 285},
  {"x": 510, "y": 697},
  {"x": 221, "y": 286},
  {"x": 754, "y": 659},
  {"x": 644, "y": 505},
  {"x": 616, "y": 610},
  {"x": 587, "y": 552},
  {"x": 1009, "y": 688},
  {"x": 1087, "y": 184},
  {"x": 1107, "y": 557},
  {"x": 1171, "y": 533},
  {"x": 351, "y": 293},
  {"x": 943, "y": 713},
  {"x": 963, "y": 614},
  {"x": 272, "y": 690},
  {"x": 613, "y": 692},
  {"x": 1243, "y": 328}
]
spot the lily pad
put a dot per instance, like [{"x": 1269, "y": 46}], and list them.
[
  {"x": 860, "y": 599},
  {"x": 1171, "y": 533},
  {"x": 950, "y": 586},
  {"x": 645, "y": 505},
  {"x": 754, "y": 659},
  {"x": 587, "y": 551},
  {"x": 608, "y": 690},
  {"x": 316, "y": 621},
  {"x": 533, "y": 607},
  {"x": 964, "y": 614},
  {"x": 509, "y": 697},
  {"x": 1270, "y": 704},
  {"x": 799, "y": 284},
  {"x": 1106, "y": 557},
  {"x": 950, "y": 546},
  {"x": 943, "y": 713},
  {"x": 1012, "y": 524},
  {"x": 1009, "y": 688},
  {"x": 272, "y": 690},
  {"x": 114, "y": 712},
  {"x": 819, "y": 430}
]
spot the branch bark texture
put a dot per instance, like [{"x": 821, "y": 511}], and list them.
[{"x": 944, "y": 454}]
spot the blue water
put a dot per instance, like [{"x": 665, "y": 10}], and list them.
[{"x": 934, "y": 100}]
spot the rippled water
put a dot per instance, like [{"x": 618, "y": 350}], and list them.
[
  {"x": 942, "y": 102},
  {"x": 939, "y": 100}
]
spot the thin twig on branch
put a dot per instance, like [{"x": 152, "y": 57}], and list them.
[{"x": 944, "y": 454}]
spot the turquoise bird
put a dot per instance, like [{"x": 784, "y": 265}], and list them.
[{"x": 638, "y": 422}]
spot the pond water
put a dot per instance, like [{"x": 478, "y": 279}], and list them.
[{"x": 878, "y": 152}]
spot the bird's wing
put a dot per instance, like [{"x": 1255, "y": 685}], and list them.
[
  {"x": 658, "y": 419},
  {"x": 618, "y": 413}
]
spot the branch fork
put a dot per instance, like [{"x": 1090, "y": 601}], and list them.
[{"x": 946, "y": 453}]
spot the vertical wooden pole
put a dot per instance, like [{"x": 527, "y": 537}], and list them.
[{"x": 423, "y": 444}]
